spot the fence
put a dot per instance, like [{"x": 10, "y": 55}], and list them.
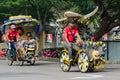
[{"x": 113, "y": 51}]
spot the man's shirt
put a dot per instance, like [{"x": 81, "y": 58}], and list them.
[
  {"x": 70, "y": 32},
  {"x": 12, "y": 34}
]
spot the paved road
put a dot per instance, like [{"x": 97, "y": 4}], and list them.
[{"x": 45, "y": 70}]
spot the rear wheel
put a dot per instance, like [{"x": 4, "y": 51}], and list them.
[
  {"x": 20, "y": 58},
  {"x": 99, "y": 65},
  {"x": 32, "y": 61},
  {"x": 21, "y": 62},
  {"x": 91, "y": 66},
  {"x": 83, "y": 62},
  {"x": 64, "y": 63},
  {"x": 11, "y": 58}
]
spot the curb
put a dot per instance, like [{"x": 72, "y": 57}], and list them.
[
  {"x": 57, "y": 60},
  {"x": 48, "y": 59},
  {"x": 39, "y": 59}
]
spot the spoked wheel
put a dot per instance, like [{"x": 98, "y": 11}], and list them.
[
  {"x": 83, "y": 62},
  {"x": 64, "y": 63},
  {"x": 102, "y": 65},
  {"x": 20, "y": 61},
  {"x": 99, "y": 65},
  {"x": 91, "y": 66},
  {"x": 32, "y": 61},
  {"x": 20, "y": 58},
  {"x": 10, "y": 60}
]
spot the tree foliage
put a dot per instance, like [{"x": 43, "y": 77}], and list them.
[
  {"x": 109, "y": 16},
  {"x": 10, "y": 7},
  {"x": 46, "y": 11}
]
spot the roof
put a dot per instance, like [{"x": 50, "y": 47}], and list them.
[{"x": 19, "y": 19}]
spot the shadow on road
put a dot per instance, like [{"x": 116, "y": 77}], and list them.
[
  {"x": 36, "y": 64},
  {"x": 88, "y": 71},
  {"x": 42, "y": 64},
  {"x": 99, "y": 71}
]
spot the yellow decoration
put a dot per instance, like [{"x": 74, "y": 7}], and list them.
[
  {"x": 19, "y": 16},
  {"x": 95, "y": 55},
  {"x": 96, "y": 67},
  {"x": 103, "y": 45},
  {"x": 97, "y": 43},
  {"x": 101, "y": 42}
]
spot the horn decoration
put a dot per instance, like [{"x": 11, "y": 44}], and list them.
[{"x": 70, "y": 14}]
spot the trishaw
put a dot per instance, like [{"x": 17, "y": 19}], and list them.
[
  {"x": 90, "y": 56},
  {"x": 27, "y": 50}
]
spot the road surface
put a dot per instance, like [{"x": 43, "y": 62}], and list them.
[{"x": 47, "y": 70}]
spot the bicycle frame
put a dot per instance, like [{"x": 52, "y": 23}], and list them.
[{"x": 76, "y": 56}]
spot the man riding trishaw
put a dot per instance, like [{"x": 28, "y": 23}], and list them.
[
  {"x": 18, "y": 34},
  {"x": 70, "y": 33},
  {"x": 86, "y": 57},
  {"x": 11, "y": 37}
]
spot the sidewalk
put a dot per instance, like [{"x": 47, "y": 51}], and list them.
[
  {"x": 4, "y": 45},
  {"x": 57, "y": 60}
]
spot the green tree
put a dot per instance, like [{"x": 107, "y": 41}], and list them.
[
  {"x": 11, "y": 7},
  {"x": 47, "y": 10},
  {"x": 109, "y": 16}
]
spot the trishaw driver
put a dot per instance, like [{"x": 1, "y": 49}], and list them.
[
  {"x": 12, "y": 35},
  {"x": 69, "y": 34}
]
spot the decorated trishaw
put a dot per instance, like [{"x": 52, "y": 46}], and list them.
[
  {"x": 90, "y": 56},
  {"x": 27, "y": 50}
]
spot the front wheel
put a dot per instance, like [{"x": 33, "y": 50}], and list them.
[
  {"x": 83, "y": 62},
  {"x": 64, "y": 63},
  {"x": 10, "y": 60}
]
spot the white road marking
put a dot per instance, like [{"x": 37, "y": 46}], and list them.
[{"x": 88, "y": 76}]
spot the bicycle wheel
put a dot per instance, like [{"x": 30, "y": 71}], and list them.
[
  {"x": 32, "y": 62},
  {"x": 19, "y": 58},
  {"x": 21, "y": 62},
  {"x": 65, "y": 66},
  {"x": 10, "y": 60},
  {"x": 83, "y": 62},
  {"x": 99, "y": 65},
  {"x": 91, "y": 66}
]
